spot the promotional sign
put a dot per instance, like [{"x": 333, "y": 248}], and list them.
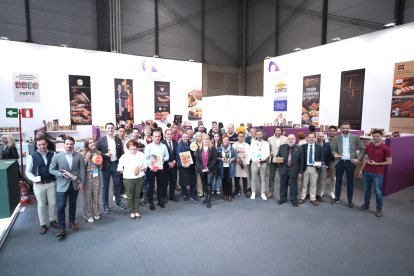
[
  {"x": 161, "y": 100},
  {"x": 27, "y": 112},
  {"x": 351, "y": 98},
  {"x": 124, "y": 106},
  {"x": 195, "y": 110},
  {"x": 12, "y": 112},
  {"x": 402, "y": 105},
  {"x": 280, "y": 93},
  {"x": 26, "y": 87},
  {"x": 310, "y": 100},
  {"x": 80, "y": 100}
]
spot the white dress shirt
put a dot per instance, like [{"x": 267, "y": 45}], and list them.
[{"x": 259, "y": 150}]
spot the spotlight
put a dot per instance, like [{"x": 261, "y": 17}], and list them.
[
  {"x": 64, "y": 45},
  {"x": 4, "y": 38},
  {"x": 392, "y": 24},
  {"x": 297, "y": 49},
  {"x": 336, "y": 39}
]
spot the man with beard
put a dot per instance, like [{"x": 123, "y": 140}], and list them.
[
  {"x": 275, "y": 142},
  {"x": 327, "y": 158},
  {"x": 344, "y": 149},
  {"x": 232, "y": 135},
  {"x": 333, "y": 130},
  {"x": 290, "y": 169},
  {"x": 259, "y": 152}
]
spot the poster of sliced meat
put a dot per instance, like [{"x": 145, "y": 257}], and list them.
[
  {"x": 80, "y": 100},
  {"x": 195, "y": 110},
  {"x": 124, "y": 106},
  {"x": 351, "y": 98},
  {"x": 161, "y": 100},
  {"x": 310, "y": 100},
  {"x": 402, "y": 104}
]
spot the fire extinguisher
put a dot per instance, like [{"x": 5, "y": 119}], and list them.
[{"x": 24, "y": 192}]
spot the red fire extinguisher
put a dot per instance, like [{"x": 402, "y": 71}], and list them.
[{"x": 24, "y": 192}]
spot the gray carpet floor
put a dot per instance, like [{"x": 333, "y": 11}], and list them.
[{"x": 244, "y": 237}]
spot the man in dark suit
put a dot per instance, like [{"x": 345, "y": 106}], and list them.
[
  {"x": 69, "y": 168},
  {"x": 313, "y": 155},
  {"x": 170, "y": 167},
  {"x": 290, "y": 168},
  {"x": 327, "y": 158},
  {"x": 111, "y": 149}
]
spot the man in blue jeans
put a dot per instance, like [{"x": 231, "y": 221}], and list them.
[
  {"x": 378, "y": 155},
  {"x": 111, "y": 148}
]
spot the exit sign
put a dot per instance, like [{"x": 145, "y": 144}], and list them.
[
  {"x": 12, "y": 112},
  {"x": 27, "y": 112}
]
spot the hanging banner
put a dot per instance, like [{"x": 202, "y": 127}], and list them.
[
  {"x": 161, "y": 100},
  {"x": 26, "y": 88},
  {"x": 195, "y": 110},
  {"x": 310, "y": 100},
  {"x": 80, "y": 100},
  {"x": 352, "y": 96},
  {"x": 402, "y": 105},
  {"x": 280, "y": 92},
  {"x": 124, "y": 106}
]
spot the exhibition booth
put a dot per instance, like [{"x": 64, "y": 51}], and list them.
[{"x": 366, "y": 80}]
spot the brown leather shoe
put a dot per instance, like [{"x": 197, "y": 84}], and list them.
[
  {"x": 269, "y": 195},
  {"x": 54, "y": 224},
  {"x": 43, "y": 229},
  {"x": 319, "y": 198},
  {"x": 314, "y": 202},
  {"x": 61, "y": 234},
  {"x": 301, "y": 201},
  {"x": 74, "y": 226}
]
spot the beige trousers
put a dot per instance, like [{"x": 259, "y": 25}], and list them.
[
  {"x": 310, "y": 178},
  {"x": 45, "y": 193},
  {"x": 320, "y": 186}
]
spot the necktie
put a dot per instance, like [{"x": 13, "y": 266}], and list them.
[
  {"x": 310, "y": 155},
  {"x": 169, "y": 145},
  {"x": 289, "y": 162}
]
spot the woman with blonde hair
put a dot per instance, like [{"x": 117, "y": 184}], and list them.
[
  {"x": 9, "y": 147},
  {"x": 92, "y": 187},
  {"x": 206, "y": 164},
  {"x": 226, "y": 167}
]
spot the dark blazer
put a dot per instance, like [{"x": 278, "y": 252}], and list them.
[
  {"x": 173, "y": 153},
  {"x": 327, "y": 154},
  {"x": 297, "y": 160},
  {"x": 212, "y": 162},
  {"x": 9, "y": 153},
  {"x": 317, "y": 157},
  {"x": 102, "y": 146}
]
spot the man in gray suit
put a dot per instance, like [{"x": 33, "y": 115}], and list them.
[
  {"x": 69, "y": 168},
  {"x": 290, "y": 169},
  {"x": 344, "y": 148}
]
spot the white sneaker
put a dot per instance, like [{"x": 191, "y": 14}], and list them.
[
  {"x": 90, "y": 220},
  {"x": 113, "y": 198},
  {"x": 96, "y": 217},
  {"x": 333, "y": 195},
  {"x": 124, "y": 196},
  {"x": 264, "y": 197},
  {"x": 218, "y": 192},
  {"x": 253, "y": 196}
]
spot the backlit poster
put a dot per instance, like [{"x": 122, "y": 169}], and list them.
[
  {"x": 310, "y": 100},
  {"x": 80, "y": 100},
  {"x": 161, "y": 100},
  {"x": 124, "y": 106}
]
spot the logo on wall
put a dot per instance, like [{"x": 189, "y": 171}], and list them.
[
  {"x": 26, "y": 88},
  {"x": 280, "y": 105},
  {"x": 124, "y": 105},
  {"x": 273, "y": 67},
  {"x": 80, "y": 100}
]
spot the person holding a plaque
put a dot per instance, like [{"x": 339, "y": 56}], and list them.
[
  {"x": 242, "y": 150},
  {"x": 206, "y": 163},
  {"x": 313, "y": 155},
  {"x": 344, "y": 148},
  {"x": 170, "y": 167},
  {"x": 156, "y": 154},
  {"x": 274, "y": 142},
  {"x": 186, "y": 169},
  {"x": 291, "y": 160},
  {"x": 226, "y": 167}
]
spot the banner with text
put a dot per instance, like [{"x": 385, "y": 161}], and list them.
[
  {"x": 352, "y": 97},
  {"x": 280, "y": 96},
  {"x": 124, "y": 105},
  {"x": 310, "y": 100},
  {"x": 161, "y": 100},
  {"x": 26, "y": 88},
  {"x": 402, "y": 105},
  {"x": 80, "y": 100}
]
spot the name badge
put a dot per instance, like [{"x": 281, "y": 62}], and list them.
[{"x": 95, "y": 172}]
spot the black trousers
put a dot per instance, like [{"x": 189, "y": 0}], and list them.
[
  {"x": 170, "y": 178},
  {"x": 226, "y": 182},
  {"x": 285, "y": 181},
  {"x": 151, "y": 176},
  {"x": 237, "y": 184}
]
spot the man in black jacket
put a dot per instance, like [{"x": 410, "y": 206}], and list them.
[
  {"x": 112, "y": 149},
  {"x": 170, "y": 167},
  {"x": 290, "y": 168}
]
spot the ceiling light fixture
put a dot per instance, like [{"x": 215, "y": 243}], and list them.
[
  {"x": 297, "y": 49},
  {"x": 268, "y": 57},
  {"x": 64, "y": 45},
  {"x": 155, "y": 56},
  {"x": 392, "y": 24},
  {"x": 191, "y": 60},
  {"x": 4, "y": 38},
  {"x": 336, "y": 39}
]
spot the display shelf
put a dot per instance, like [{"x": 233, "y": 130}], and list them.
[
  {"x": 10, "y": 132},
  {"x": 61, "y": 131}
]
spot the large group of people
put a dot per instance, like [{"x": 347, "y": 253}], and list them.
[{"x": 205, "y": 164}]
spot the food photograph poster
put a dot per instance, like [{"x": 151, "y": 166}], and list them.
[
  {"x": 124, "y": 106},
  {"x": 80, "y": 100},
  {"x": 161, "y": 100},
  {"x": 310, "y": 100}
]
